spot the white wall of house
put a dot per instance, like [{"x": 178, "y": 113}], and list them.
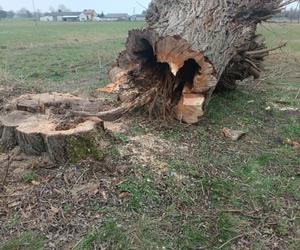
[
  {"x": 83, "y": 17},
  {"x": 47, "y": 19},
  {"x": 108, "y": 19},
  {"x": 70, "y": 18},
  {"x": 137, "y": 18},
  {"x": 140, "y": 18}
]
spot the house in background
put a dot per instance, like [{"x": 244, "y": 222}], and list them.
[
  {"x": 60, "y": 17},
  {"x": 68, "y": 16},
  {"x": 138, "y": 17},
  {"x": 47, "y": 18},
  {"x": 115, "y": 17},
  {"x": 88, "y": 15}
]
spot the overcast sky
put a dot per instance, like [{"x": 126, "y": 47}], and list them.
[{"x": 107, "y": 6}]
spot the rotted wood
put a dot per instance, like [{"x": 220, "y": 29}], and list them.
[
  {"x": 187, "y": 50},
  {"x": 44, "y": 124}
]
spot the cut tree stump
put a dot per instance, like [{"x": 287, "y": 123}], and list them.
[
  {"x": 44, "y": 123},
  {"x": 187, "y": 50}
]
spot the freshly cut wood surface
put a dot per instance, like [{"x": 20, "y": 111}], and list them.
[{"x": 43, "y": 123}]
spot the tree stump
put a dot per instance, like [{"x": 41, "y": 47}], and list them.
[
  {"x": 187, "y": 50},
  {"x": 44, "y": 123}
]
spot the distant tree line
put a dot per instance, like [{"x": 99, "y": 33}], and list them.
[
  {"x": 292, "y": 14},
  {"x": 6, "y": 14},
  {"x": 25, "y": 13},
  {"x": 22, "y": 13}
]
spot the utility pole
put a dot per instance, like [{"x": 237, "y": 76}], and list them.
[
  {"x": 33, "y": 6},
  {"x": 299, "y": 11},
  {"x": 34, "y": 13}
]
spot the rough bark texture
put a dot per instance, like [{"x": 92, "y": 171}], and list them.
[
  {"x": 187, "y": 49},
  {"x": 44, "y": 123}
]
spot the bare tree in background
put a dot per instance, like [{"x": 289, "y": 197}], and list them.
[
  {"x": 3, "y": 14},
  {"x": 60, "y": 8},
  {"x": 24, "y": 13},
  {"x": 52, "y": 9},
  {"x": 63, "y": 8}
]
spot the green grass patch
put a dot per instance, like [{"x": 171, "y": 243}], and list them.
[
  {"x": 228, "y": 226},
  {"x": 30, "y": 176},
  {"x": 67, "y": 57},
  {"x": 277, "y": 33},
  {"x": 12, "y": 222},
  {"x": 147, "y": 233},
  {"x": 291, "y": 131},
  {"x": 137, "y": 129},
  {"x": 111, "y": 235},
  {"x": 121, "y": 137},
  {"x": 143, "y": 192},
  {"x": 26, "y": 241}
]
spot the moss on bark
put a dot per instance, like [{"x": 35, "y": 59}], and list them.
[{"x": 83, "y": 147}]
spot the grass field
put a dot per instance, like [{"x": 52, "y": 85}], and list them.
[
  {"x": 59, "y": 56},
  {"x": 164, "y": 185}
]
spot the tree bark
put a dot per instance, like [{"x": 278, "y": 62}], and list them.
[{"x": 187, "y": 50}]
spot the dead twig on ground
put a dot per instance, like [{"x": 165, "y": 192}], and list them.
[
  {"x": 9, "y": 160},
  {"x": 6, "y": 172},
  {"x": 297, "y": 95},
  {"x": 11, "y": 195},
  {"x": 77, "y": 244},
  {"x": 242, "y": 213},
  {"x": 233, "y": 239}
]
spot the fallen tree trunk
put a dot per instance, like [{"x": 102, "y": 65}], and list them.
[{"x": 187, "y": 50}]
